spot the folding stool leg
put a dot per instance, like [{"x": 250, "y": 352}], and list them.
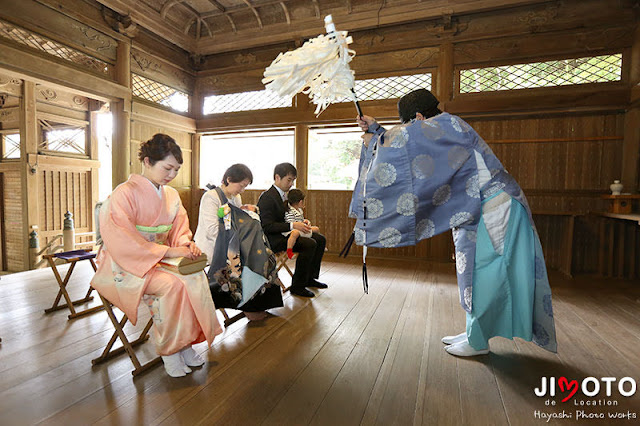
[
  {"x": 230, "y": 320},
  {"x": 127, "y": 346},
  {"x": 281, "y": 261},
  {"x": 62, "y": 292}
]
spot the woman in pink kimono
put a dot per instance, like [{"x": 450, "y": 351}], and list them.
[{"x": 141, "y": 223}]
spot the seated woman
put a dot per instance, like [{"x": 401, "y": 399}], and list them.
[
  {"x": 142, "y": 222},
  {"x": 242, "y": 272}
]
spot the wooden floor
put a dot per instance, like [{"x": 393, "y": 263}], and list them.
[{"x": 341, "y": 358}]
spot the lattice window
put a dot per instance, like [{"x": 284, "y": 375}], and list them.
[
  {"x": 594, "y": 69},
  {"x": 10, "y": 145},
  {"x": 245, "y": 101},
  {"x": 390, "y": 87},
  {"x": 51, "y": 47},
  {"x": 63, "y": 138},
  {"x": 159, "y": 93}
]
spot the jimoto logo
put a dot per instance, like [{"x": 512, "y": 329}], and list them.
[{"x": 589, "y": 387}]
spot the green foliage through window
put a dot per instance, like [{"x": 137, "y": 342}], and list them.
[
  {"x": 334, "y": 155},
  {"x": 595, "y": 69}
]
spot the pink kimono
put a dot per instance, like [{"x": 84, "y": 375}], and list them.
[{"x": 137, "y": 226}]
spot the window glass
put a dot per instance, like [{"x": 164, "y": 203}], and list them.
[
  {"x": 259, "y": 150},
  {"x": 334, "y": 155}
]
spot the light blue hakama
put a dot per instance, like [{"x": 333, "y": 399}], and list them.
[{"x": 504, "y": 285}]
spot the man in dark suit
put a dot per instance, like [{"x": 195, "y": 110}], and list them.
[{"x": 310, "y": 250}]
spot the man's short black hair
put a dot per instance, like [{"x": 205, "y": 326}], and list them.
[
  {"x": 419, "y": 101},
  {"x": 285, "y": 169}
]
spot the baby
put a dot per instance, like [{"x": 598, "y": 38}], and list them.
[{"x": 294, "y": 206}]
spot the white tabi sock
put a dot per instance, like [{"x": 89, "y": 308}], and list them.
[
  {"x": 191, "y": 358},
  {"x": 452, "y": 340},
  {"x": 464, "y": 349},
  {"x": 174, "y": 365}
]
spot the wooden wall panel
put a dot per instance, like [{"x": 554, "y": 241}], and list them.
[
  {"x": 14, "y": 238},
  {"x": 563, "y": 163},
  {"x": 61, "y": 191}
]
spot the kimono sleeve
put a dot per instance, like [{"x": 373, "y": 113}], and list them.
[
  {"x": 180, "y": 234},
  {"x": 122, "y": 240}
]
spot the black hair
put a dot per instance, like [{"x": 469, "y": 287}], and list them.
[
  {"x": 293, "y": 196},
  {"x": 285, "y": 169},
  {"x": 159, "y": 147},
  {"x": 419, "y": 101},
  {"x": 237, "y": 173}
]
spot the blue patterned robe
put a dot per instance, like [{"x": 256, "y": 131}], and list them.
[{"x": 420, "y": 179}]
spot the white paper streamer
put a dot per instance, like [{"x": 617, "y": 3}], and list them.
[{"x": 319, "y": 69}]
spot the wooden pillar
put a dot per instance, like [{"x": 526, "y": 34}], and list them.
[
  {"x": 195, "y": 181},
  {"x": 29, "y": 172},
  {"x": 121, "y": 113},
  {"x": 196, "y": 101},
  {"x": 631, "y": 142},
  {"x": 445, "y": 74},
  {"x": 94, "y": 111},
  {"x": 302, "y": 160}
]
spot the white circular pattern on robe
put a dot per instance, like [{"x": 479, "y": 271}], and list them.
[
  {"x": 390, "y": 237},
  {"x": 375, "y": 208},
  {"x": 407, "y": 204},
  {"x": 467, "y": 297},
  {"x": 385, "y": 174},
  {"x": 472, "y": 236},
  {"x": 457, "y": 156},
  {"x": 460, "y": 218},
  {"x": 425, "y": 229},
  {"x": 399, "y": 137},
  {"x": 472, "y": 187},
  {"x": 431, "y": 129},
  {"x": 422, "y": 166},
  {"x": 442, "y": 195},
  {"x": 461, "y": 262},
  {"x": 359, "y": 236},
  {"x": 456, "y": 124}
]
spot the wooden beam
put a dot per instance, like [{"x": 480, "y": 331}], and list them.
[
  {"x": 286, "y": 12},
  {"x": 255, "y": 12},
  {"x": 147, "y": 17},
  {"x": 21, "y": 63},
  {"x": 631, "y": 145},
  {"x": 302, "y": 155},
  {"x": 217, "y": 5},
  {"x": 121, "y": 115},
  {"x": 444, "y": 74},
  {"x": 29, "y": 159},
  {"x": 365, "y": 19},
  {"x": 153, "y": 115}
]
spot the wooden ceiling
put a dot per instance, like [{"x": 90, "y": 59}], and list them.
[{"x": 204, "y": 27}]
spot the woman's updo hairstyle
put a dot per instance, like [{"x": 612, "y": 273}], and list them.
[{"x": 159, "y": 147}]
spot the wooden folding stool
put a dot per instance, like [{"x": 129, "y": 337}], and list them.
[
  {"x": 72, "y": 257},
  {"x": 281, "y": 262},
  {"x": 127, "y": 346}
]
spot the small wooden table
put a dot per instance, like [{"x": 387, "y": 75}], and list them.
[
  {"x": 71, "y": 257},
  {"x": 621, "y": 204},
  {"x": 617, "y": 244}
]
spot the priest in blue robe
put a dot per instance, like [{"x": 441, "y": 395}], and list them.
[{"x": 433, "y": 173}]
